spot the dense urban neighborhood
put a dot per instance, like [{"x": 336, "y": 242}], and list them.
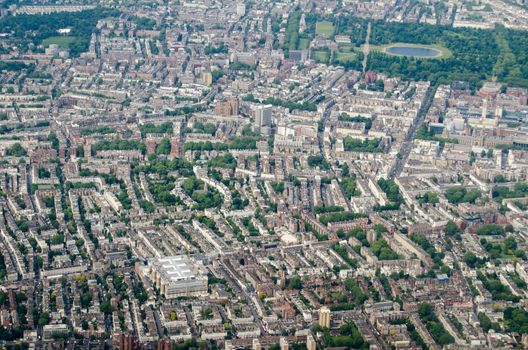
[{"x": 286, "y": 174}]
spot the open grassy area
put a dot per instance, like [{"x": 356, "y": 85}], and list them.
[
  {"x": 345, "y": 56},
  {"x": 324, "y": 28},
  {"x": 62, "y": 41},
  {"x": 346, "y": 47},
  {"x": 345, "y": 53},
  {"x": 444, "y": 52},
  {"x": 321, "y": 56},
  {"x": 304, "y": 43}
]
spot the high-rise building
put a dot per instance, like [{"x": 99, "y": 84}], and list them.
[
  {"x": 371, "y": 236},
  {"x": 235, "y": 105},
  {"x": 282, "y": 279},
  {"x": 229, "y": 107},
  {"x": 256, "y": 344},
  {"x": 207, "y": 78},
  {"x": 223, "y": 108},
  {"x": 324, "y": 317},
  {"x": 241, "y": 9},
  {"x": 284, "y": 344},
  {"x": 263, "y": 116},
  {"x": 310, "y": 343}
]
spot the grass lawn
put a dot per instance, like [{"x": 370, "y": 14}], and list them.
[
  {"x": 445, "y": 52},
  {"x": 344, "y": 56},
  {"x": 62, "y": 41},
  {"x": 321, "y": 56},
  {"x": 324, "y": 28},
  {"x": 304, "y": 43},
  {"x": 346, "y": 47}
]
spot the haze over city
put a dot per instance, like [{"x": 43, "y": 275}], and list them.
[{"x": 264, "y": 175}]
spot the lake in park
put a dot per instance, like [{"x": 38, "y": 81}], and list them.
[{"x": 413, "y": 51}]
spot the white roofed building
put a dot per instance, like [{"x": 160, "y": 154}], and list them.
[{"x": 178, "y": 276}]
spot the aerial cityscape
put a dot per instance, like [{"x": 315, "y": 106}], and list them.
[{"x": 275, "y": 174}]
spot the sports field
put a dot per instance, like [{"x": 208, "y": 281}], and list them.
[{"x": 324, "y": 28}]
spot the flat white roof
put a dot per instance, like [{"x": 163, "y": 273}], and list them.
[{"x": 175, "y": 268}]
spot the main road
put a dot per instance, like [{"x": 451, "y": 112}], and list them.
[
  {"x": 242, "y": 289},
  {"x": 411, "y": 134},
  {"x": 366, "y": 48},
  {"x": 326, "y": 114}
]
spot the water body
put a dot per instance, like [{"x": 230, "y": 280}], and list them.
[{"x": 412, "y": 51}]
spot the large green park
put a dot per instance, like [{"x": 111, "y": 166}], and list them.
[
  {"x": 43, "y": 29},
  {"x": 468, "y": 54}
]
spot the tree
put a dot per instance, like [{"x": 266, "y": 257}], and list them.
[
  {"x": 164, "y": 147},
  {"x": 352, "y": 144},
  {"x": 516, "y": 320},
  {"x": 149, "y": 128},
  {"x": 433, "y": 325},
  {"x": 44, "y": 319},
  {"x": 140, "y": 293},
  {"x": 490, "y": 230},
  {"x": 428, "y": 198},
  {"x": 295, "y": 283},
  {"x": 451, "y": 228},
  {"x": 459, "y": 194},
  {"x": 471, "y": 259},
  {"x": 485, "y": 321},
  {"x": 147, "y": 206},
  {"x": 16, "y": 151},
  {"x": 339, "y": 216},
  {"x": 381, "y": 249},
  {"x": 106, "y": 308},
  {"x": 86, "y": 299},
  {"x": 318, "y": 161},
  {"x": 349, "y": 185},
  {"x": 380, "y": 228},
  {"x": 349, "y": 337},
  {"x": 353, "y": 287}
]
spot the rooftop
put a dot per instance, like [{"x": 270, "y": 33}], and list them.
[{"x": 175, "y": 268}]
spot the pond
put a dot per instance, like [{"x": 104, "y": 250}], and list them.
[{"x": 413, "y": 51}]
